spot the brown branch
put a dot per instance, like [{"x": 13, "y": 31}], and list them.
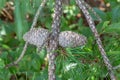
[
  {"x": 32, "y": 26},
  {"x": 53, "y": 42},
  {"x": 92, "y": 26}
]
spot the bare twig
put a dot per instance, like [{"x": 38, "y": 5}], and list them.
[
  {"x": 38, "y": 13},
  {"x": 80, "y": 3},
  {"x": 26, "y": 44},
  {"x": 116, "y": 67},
  {"x": 20, "y": 57},
  {"x": 91, "y": 9},
  {"x": 53, "y": 42}
]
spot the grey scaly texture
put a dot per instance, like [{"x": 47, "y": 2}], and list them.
[
  {"x": 36, "y": 36},
  {"x": 71, "y": 39},
  {"x": 53, "y": 42},
  {"x": 39, "y": 36}
]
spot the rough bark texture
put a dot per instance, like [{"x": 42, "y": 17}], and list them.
[
  {"x": 92, "y": 26},
  {"x": 53, "y": 42}
]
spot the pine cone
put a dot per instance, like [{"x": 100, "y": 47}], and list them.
[
  {"x": 71, "y": 39},
  {"x": 36, "y": 36}
]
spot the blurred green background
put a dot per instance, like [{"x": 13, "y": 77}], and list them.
[{"x": 80, "y": 63}]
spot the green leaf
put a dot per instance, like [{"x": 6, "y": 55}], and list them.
[
  {"x": 2, "y": 4},
  {"x": 101, "y": 14},
  {"x": 2, "y": 65},
  {"x": 113, "y": 28},
  {"x": 116, "y": 14},
  {"x": 20, "y": 20}
]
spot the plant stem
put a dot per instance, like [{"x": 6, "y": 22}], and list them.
[
  {"x": 53, "y": 42},
  {"x": 32, "y": 26},
  {"x": 92, "y": 26},
  {"x": 91, "y": 9}
]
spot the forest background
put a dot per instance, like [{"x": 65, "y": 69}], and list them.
[{"x": 80, "y": 63}]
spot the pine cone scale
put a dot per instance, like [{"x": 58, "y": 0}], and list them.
[{"x": 37, "y": 37}]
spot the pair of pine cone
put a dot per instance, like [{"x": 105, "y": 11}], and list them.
[{"x": 37, "y": 37}]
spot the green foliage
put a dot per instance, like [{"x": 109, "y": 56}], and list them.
[
  {"x": 2, "y": 4},
  {"x": 81, "y": 63}
]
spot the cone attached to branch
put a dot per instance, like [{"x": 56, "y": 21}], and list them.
[
  {"x": 71, "y": 39},
  {"x": 36, "y": 36},
  {"x": 39, "y": 36}
]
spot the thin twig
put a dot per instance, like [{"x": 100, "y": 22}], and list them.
[
  {"x": 20, "y": 57},
  {"x": 38, "y": 13},
  {"x": 116, "y": 67},
  {"x": 80, "y": 3},
  {"x": 53, "y": 42},
  {"x": 32, "y": 26},
  {"x": 91, "y": 9}
]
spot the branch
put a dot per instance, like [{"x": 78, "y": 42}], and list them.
[
  {"x": 38, "y": 13},
  {"x": 20, "y": 57},
  {"x": 116, "y": 67},
  {"x": 91, "y": 9},
  {"x": 53, "y": 42},
  {"x": 32, "y": 26},
  {"x": 92, "y": 26}
]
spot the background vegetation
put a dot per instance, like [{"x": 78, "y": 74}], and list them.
[{"x": 80, "y": 63}]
